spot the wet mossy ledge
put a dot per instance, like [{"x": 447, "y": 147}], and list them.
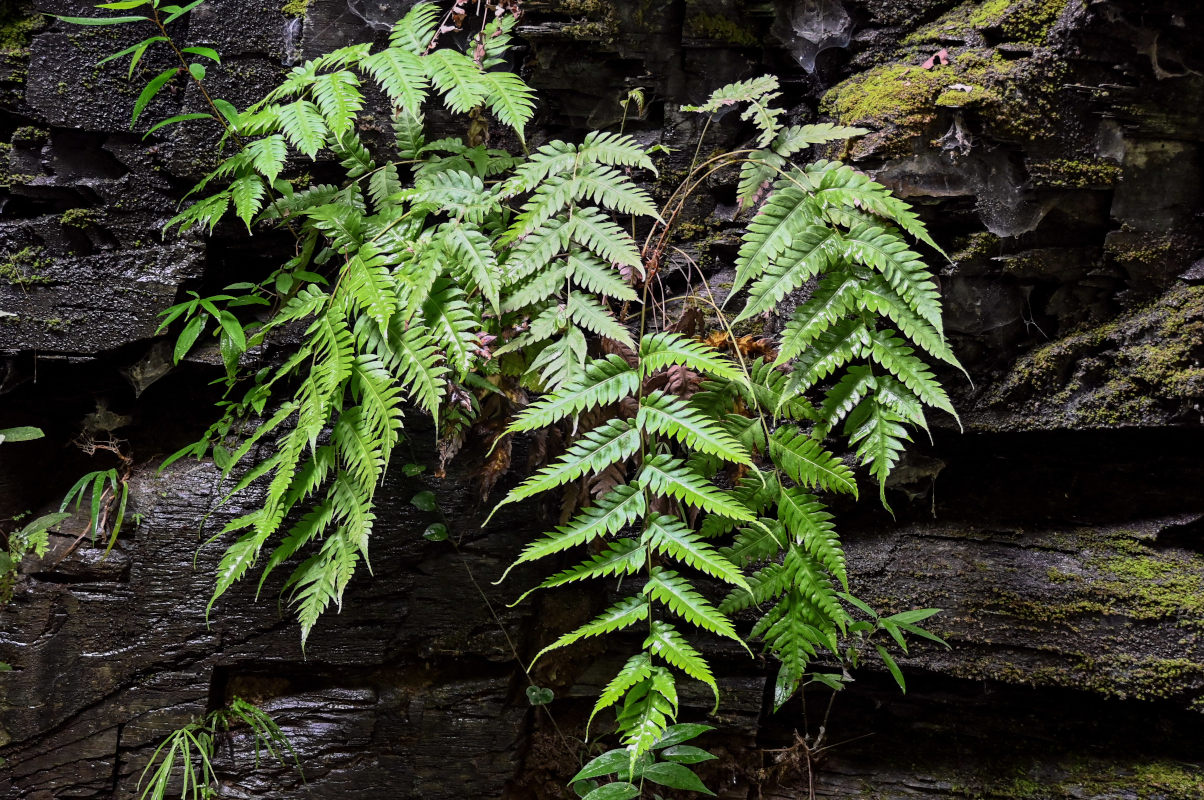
[{"x": 1144, "y": 367}]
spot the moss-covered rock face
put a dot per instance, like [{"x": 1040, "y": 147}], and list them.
[{"x": 1144, "y": 368}]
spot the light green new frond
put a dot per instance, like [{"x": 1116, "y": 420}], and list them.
[
  {"x": 239, "y": 556},
  {"x": 509, "y": 98},
  {"x": 613, "y": 190},
  {"x": 766, "y": 584},
  {"x": 622, "y": 614},
  {"x": 755, "y": 89},
  {"x": 788, "y": 211},
  {"x": 616, "y": 510},
  {"x": 809, "y": 253},
  {"x": 670, "y": 477},
  {"x": 902, "y": 268},
  {"x": 379, "y": 397},
  {"x": 622, "y": 557},
  {"x": 604, "y": 381},
  {"x": 354, "y": 155},
  {"x": 455, "y": 193},
  {"x": 402, "y": 77},
  {"x": 811, "y": 526},
  {"x": 649, "y": 708},
  {"x": 879, "y": 438},
  {"x": 666, "y": 643},
  {"x": 661, "y": 350},
  {"x": 302, "y": 122},
  {"x": 415, "y": 356},
  {"x": 339, "y": 99},
  {"x": 807, "y": 463},
  {"x": 843, "y": 398},
  {"x": 343, "y": 56},
  {"x": 368, "y": 286},
  {"x": 268, "y": 155},
  {"x": 614, "y": 149},
  {"x": 637, "y": 669},
  {"x": 669, "y": 537},
  {"x": 382, "y": 185},
  {"x": 840, "y": 184},
  {"x": 457, "y": 77},
  {"x": 414, "y": 32},
  {"x": 832, "y": 299},
  {"x": 360, "y": 451},
  {"x": 901, "y": 362},
  {"x": 343, "y": 225},
  {"x": 588, "y": 272},
  {"x": 532, "y": 254},
  {"x": 248, "y": 193},
  {"x": 592, "y": 230},
  {"x": 670, "y": 416},
  {"x": 796, "y": 137},
  {"x": 608, "y": 444},
  {"x": 830, "y": 351},
  {"x": 678, "y": 595},
  {"x": 453, "y": 324},
  {"x": 562, "y": 360},
  {"x": 589, "y": 314},
  {"x": 475, "y": 260}
]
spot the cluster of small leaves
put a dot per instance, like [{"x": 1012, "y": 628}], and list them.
[
  {"x": 33, "y": 537},
  {"x": 184, "y": 759},
  {"x": 664, "y": 764},
  {"x": 109, "y": 493}
]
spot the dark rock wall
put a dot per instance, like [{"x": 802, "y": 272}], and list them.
[{"x": 1054, "y": 146}]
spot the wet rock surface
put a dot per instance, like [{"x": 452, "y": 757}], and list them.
[{"x": 1055, "y": 149}]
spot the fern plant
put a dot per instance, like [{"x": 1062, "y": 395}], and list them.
[{"x": 433, "y": 270}]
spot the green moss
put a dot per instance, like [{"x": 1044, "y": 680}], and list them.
[
  {"x": 592, "y": 19},
  {"x": 713, "y": 26},
  {"x": 296, "y": 8},
  {"x": 1074, "y": 174},
  {"x": 78, "y": 217},
  {"x": 19, "y": 268},
  {"x": 1018, "y": 21},
  {"x": 17, "y": 27},
  {"x": 30, "y": 136}
]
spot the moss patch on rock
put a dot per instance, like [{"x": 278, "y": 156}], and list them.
[{"x": 1016, "y": 21}]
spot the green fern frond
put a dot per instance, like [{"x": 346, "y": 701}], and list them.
[
  {"x": 788, "y": 211},
  {"x": 302, "y": 122},
  {"x": 339, "y": 99},
  {"x": 589, "y": 314},
  {"x": 614, "y": 149},
  {"x": 902, "y": 268},
  {"x": 453, "y": 324},
  {"x": 807, "y": 463},
  {"x": 509, "y": 98},
  {"x": 809, "y": 253},
  {"x": 678, "y": 595},
  {"x": 832, "y": 299},
  {"x": 610, "y": 443},
  {"x": 268, "y": 156},
  {"x": 843, "y": 398},
  {"x": 811, "y": 526},
  {"x": 830, "y": 351},
  {"x": 590, "y": 273},
  {"x": 670, "y": 416},
  {"x": 755, "y": 543},
  {"x": 879, "y": 438},
  {"x": 415, "y": 357},
  {"x": 622, "y": 614},
  {"x": 754, "y": 89},
  {"x": 414, "y": 32},
  {"x": 878, "y": 296},
  {"x": 562, "y": 360},
  {"x": 840, "y": 184},
  {"x": 670, "y": 477},
  {"x": 593, "y": 231},
  {"x": 622, "y": 557},
  {"x": 617, "y": 509},
  {"x": 669, "y": 537},
  {"x": 403, "y": 78},
  {"x": 475, "y": 260},
  {"x": 648, "y": 709},
  {"x": 662, "y": 350},
  {"x": 604, "y": 381},
  {"x": 369, "y": 287},
  {"x": 666, "y": 643},
  {"x": 901, "y": 361},
  {"x": 457, "y": 77},
  {"x": 637, "y": 669}
]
